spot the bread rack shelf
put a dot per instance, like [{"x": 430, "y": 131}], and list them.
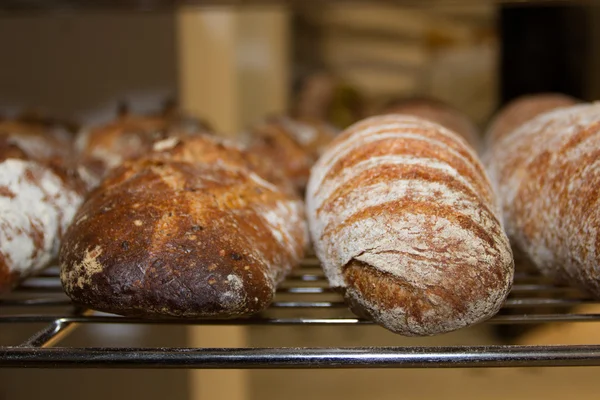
[{"x": 305, "y": 292}]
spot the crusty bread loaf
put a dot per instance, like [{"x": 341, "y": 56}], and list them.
[
  {"x": 291, "y": 145},
  {"x": 402, "y": 217},
  {"x": 440, "y": 113},
  {"x": 185, "y": 233},
  {"x": 38, "y": 198},
  {"x": 126, "y": 138},
  {"x": 547, "y": 173},
  {"x": 511, "y": 116},
  {"x": 524, "y": 109}
]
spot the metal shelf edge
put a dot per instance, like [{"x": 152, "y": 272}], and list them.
[{"x": 255, "y": 358}]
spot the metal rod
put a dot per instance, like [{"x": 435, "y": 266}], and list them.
[
  {"x": 307, "y": 278},
  {"x": 46, "y": 337},
  {"x": 35, "y": 302},
  {"x": 304, "y": 290},
  {"x": 361, "y": 357},
  {"x": 55, "y": 332},
  {"x": 263, "y": 320},
  {"x": 41, "y": 284},
  {"x": 510, "y": 303},
  {"x": 308, "y": 304},
  {"x": 537, "y": 288}
]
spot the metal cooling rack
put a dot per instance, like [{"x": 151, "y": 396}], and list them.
[{"x": 303, "y": 299}]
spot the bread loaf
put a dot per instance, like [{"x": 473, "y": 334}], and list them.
[
  {"x": 403, "y": 219},
  {"x": 510, "y": 117},
  {"x": 547, "y": 173},
  {"x": 440, "y": 113},
  {"x": 185, "y": 232},
  {"x": 38, "y": 198},
  {"x": 291, "y": 145},
  {"x": 128, "y": 137},
  {"x": 524, "y": 109}
]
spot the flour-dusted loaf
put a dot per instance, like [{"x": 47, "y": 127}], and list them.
[
  {"x": 403, "y": 219},
  {"x": 38, "y": 197},
  {"x": 184, "y": 232},
  {"x": 547, "y": 173},
  {"x": 440, "y": 113},
  {"x": 524, "y": 109},
  {"x": 291, "y": 145},
  {"x": 511, "y": 116}
]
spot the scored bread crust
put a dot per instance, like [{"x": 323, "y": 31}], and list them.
[
  {"x": 403, "y": 218},
  {"x": 171, "y": 235},
  {"x": 547, "y": 173},
  {"x": 440, "y": 113}
]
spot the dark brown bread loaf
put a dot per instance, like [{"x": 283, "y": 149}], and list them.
[
  {"x": 291, "y": 145},
  {"x": 524, "y": 109},
  {"x": 440, "y": 113},
  {"x": 547, "y": 174},
  {"x": 38, "y": 197},
  {"x": 403, "y": 218},
  {"x": 185, "y": 232}
]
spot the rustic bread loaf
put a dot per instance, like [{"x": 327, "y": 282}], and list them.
[
  {"x": 524, "y": 109},
  {"x": 38, "y": 198},
  {"x": 440, "y": 113},
  {"x": 510, "y": 117},
  {"x": 403, "y": 218},
  {"x": 291, "y": 145},
  {"x": 191, "y": 234},
  {"x": 547, "y": 173},
  {"x": 128, "y": 137}
]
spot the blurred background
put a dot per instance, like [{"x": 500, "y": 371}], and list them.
[{"x": 336, "y": 60}]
